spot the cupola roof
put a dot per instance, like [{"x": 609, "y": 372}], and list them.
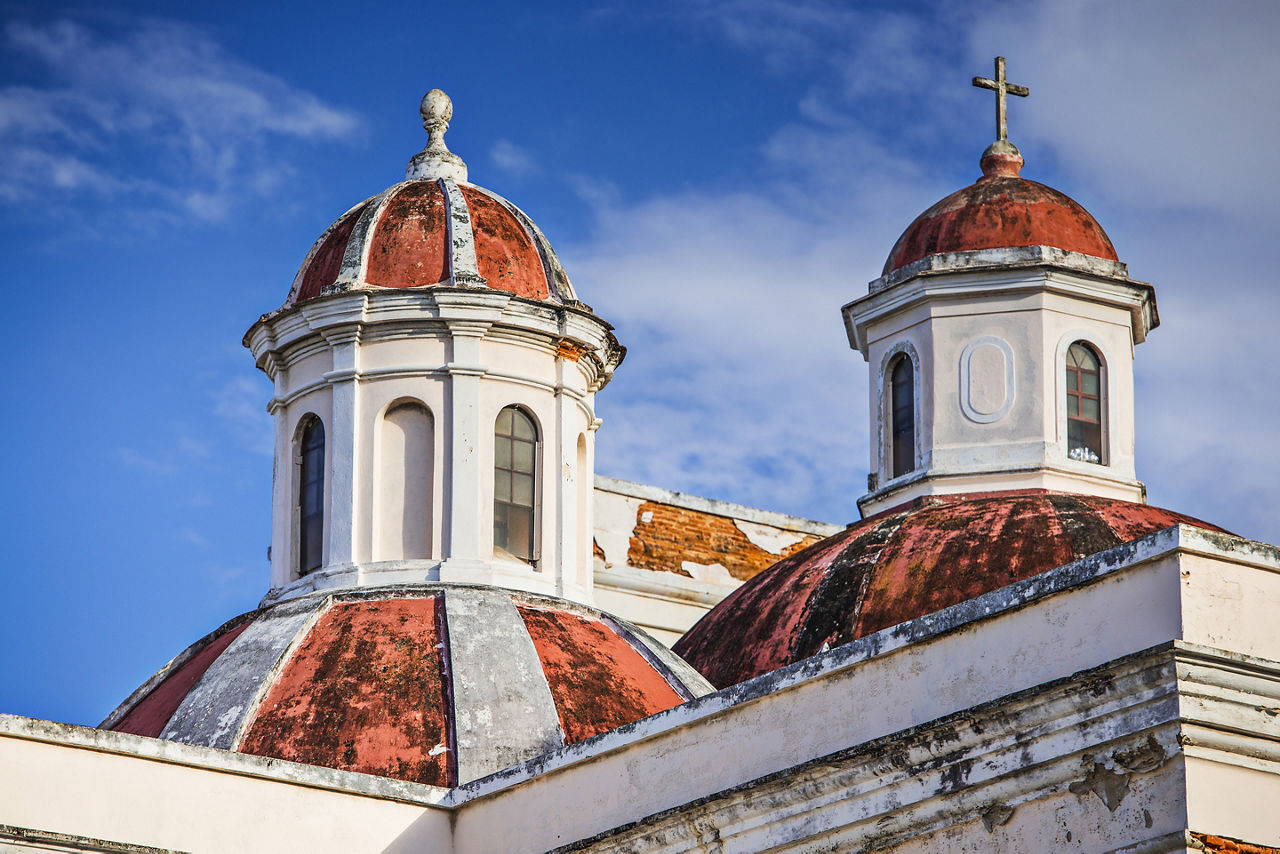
[
  {"x": 434, "y": 230},
  {"x": 902, "y": 564},
  {"x": 431, "y": 683},
  {"x": 1001, "y": 210}
]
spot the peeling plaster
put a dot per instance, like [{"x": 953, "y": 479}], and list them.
[
  {"x": 771, "y": 539},
  {"x": 615, "y": 522},
  {"x": 712, "y": 573}
]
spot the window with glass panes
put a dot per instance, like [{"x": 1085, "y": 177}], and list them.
[
  {"x": 903, "y": 416},
  {"x": 311, "y": 498},
  {"x": 514, "y": 466},
  {"x": 1084, "y": 404}
]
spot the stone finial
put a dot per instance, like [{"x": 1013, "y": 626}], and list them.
[
  {"x": 1001, "y": 160},
  {"x": 436, "y": 160}
]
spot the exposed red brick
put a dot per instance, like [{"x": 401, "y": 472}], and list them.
[
  {"x": 676, "y": 534},
  {"x": 597, "y": 679},
  {"x": 999, "y": 212},
  {"x": 1224, "y": 845},
  {"x": 365, "y": 691},
  {"x": 152, "y": 712}
]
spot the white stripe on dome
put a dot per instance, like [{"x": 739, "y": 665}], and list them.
[
  {"x": 311, "y": 254},
  {"x": 498, "y": 722},
  {"x": 464, "y": 272},
  {"x": 214, "y": 711},
  {"x": 678, "y": 673},
  {"x": 355, "y": 256}
]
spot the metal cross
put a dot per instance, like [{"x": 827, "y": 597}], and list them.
[{"x": 1001, "y": 88}]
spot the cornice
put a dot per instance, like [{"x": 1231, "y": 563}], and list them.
[
  {"x": 1041, "y": 272},
  {"x": 357, "y": 316}
]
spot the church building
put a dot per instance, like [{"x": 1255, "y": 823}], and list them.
[{"x": 471, "y": 642}]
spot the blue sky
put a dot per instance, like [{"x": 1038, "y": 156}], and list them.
[{"x": 718, "y": 178}]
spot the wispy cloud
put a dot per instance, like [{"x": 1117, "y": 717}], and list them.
[
  {"x": 512, "y": 159},
  {"x": 160, "y": 115},
  {"x": 157, "y": 462},
  {"x": 1170, "y": 104},
  {"x": 739, "y": 383},
  {"x": 239, "y": 405}
]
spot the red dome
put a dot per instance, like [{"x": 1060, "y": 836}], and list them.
[
  {"x": 435, "y": 684},
  {"x": 433, "y": 232},
  {"x": 1001, "y": 211},
  {"x": 903, "y": 564}
]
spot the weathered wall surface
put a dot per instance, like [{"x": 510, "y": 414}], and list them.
[
  {"x": 663, "y": 558},
  {"x": 1041, "y": 716}
]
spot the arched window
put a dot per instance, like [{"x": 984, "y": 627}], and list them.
[
  {"x": 1084, "y": 404},
  {"x": 311, "y": 498},
  {"x": 515, "y": 455},
  {"x": 902, "y": 418}
]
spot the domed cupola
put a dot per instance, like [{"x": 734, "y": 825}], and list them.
[
  {"x": 1000, "y": 338},
  {"x": 429, "y": 616},
  {"x": 435, "y": 379}
]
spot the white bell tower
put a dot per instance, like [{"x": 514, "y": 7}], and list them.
[
  {"x": 434, "y": 395},
  {"x": 1000, "y": 339}
]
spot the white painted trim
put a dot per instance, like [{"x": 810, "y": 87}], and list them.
[{"x": 463, "y": 269}]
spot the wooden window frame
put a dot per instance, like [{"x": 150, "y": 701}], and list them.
[{"x": 504, "y": 507}]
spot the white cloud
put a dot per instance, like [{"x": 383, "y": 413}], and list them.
[
  {"x": 161, "y": 114},
  {"x": 512, "y": 159},
  {"x": 739, "y": 383},
  {"x": 158, "y": 462},
  {"x": 1171, "y": 104}
]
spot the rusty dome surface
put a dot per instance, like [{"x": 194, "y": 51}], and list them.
[
  {"x": 1001, "y": 211},
  {"x": 438, "y": 684},
  {"x": 433, "y": 232},
  {"x": 902, "y": 564}
]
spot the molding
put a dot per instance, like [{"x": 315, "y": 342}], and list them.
[
  {"x": 1138, "y": 298},
  {"x": 664, "y": 586},
  {"x": 966, "y": 388},
  {"x": 1002, "y": 258},
  {"x": 221, "y": 761}
]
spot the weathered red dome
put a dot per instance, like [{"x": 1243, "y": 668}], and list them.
[
  {"x": 433, "y": 232},
  {"x": 438, "y": 684},
  {"x": 902, "y": 564},
  {"x": 1001, "y": 211},
  {"x": 434, "y": 229}
]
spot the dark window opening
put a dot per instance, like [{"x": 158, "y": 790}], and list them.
[
  {"x": 514, "y": 467},
  {"x": 1084, "y": 404},
  {"x": 903, "y": 416},
  {"x": 311, "y": 498}
]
